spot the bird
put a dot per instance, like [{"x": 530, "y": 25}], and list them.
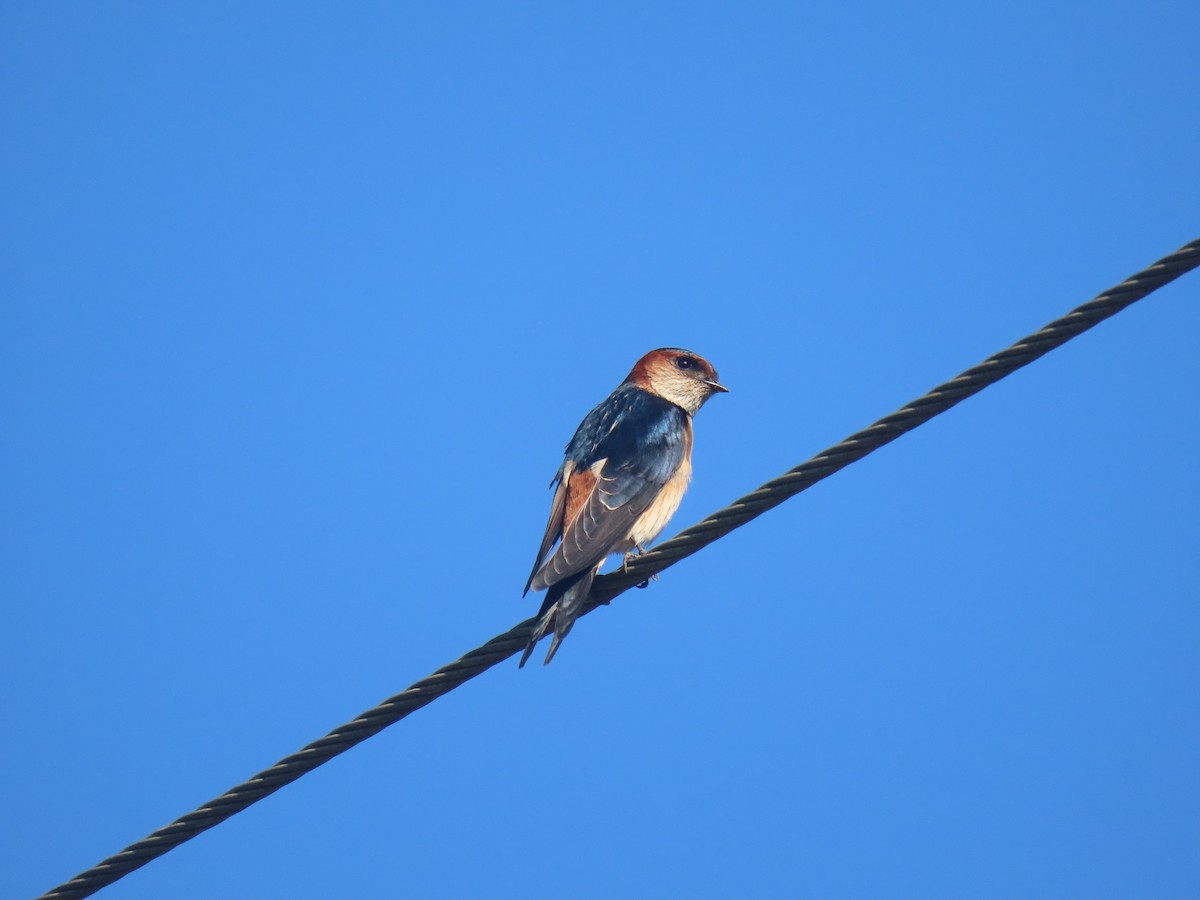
[{"x": 622, "y": 478}]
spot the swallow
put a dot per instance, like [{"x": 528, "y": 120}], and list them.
[{"x": 622, "y": 478}]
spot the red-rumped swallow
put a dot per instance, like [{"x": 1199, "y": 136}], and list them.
[{"x": 625, "y": 471}]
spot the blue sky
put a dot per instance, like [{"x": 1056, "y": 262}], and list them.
[{"x": 301, "y": 303}]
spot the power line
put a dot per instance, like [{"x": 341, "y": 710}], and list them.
[{"x": 687, "y": 542}]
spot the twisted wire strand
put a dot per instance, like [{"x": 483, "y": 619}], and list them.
[{"x": 687, "y": 542}]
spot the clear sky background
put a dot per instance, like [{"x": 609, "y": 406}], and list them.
[{"x": 302, "y": 301}]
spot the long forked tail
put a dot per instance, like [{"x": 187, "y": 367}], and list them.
[{"x": 561, "y": 607}]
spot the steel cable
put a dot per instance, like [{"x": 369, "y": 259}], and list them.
[{"x": 687, "y": 542}]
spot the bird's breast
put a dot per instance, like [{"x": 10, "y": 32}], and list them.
[{"x": 648, "y": 525}]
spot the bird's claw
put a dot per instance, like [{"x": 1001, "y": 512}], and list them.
[{"x": 637, "y": 551}]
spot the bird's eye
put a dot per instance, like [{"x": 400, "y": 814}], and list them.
[{"x": 684, "y": 362}]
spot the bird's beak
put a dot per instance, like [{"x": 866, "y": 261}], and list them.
[{"x": 717, "y": 387}]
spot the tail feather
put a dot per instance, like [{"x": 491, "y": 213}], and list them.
[
  {"x": 539, "y": 631},
  {"x": 561, "y": 608}
]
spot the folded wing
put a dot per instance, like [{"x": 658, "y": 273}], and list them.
[{"x": 605, "y": 492}]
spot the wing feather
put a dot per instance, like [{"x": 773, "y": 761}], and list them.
[
  {"x": 594, "y": 533},
  {"x": 554, "y": 526}
]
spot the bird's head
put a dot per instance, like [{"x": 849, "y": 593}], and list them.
[{"x": 680, "y": 376}]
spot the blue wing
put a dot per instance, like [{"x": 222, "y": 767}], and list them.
[{"x": 639, "y": 440}]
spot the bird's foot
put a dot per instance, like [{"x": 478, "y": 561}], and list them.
[{"x": 637, "y": 551}]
